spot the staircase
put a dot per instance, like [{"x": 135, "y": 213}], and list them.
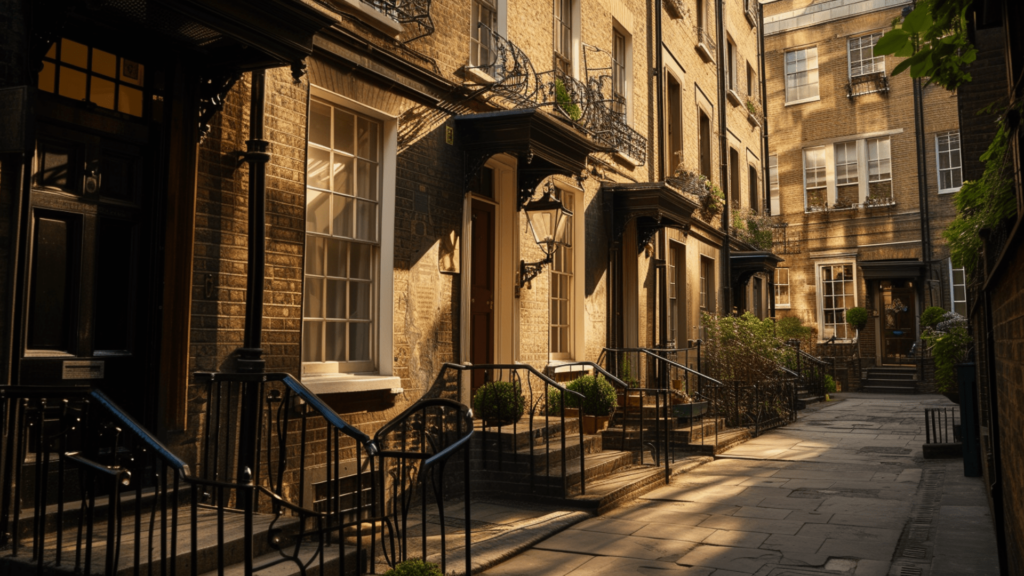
[
  {"x": 890, "y": 380},
  {"x": 804, "y": 396}
]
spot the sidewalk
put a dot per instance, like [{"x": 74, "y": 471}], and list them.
[{"x": 844, "y": 490}]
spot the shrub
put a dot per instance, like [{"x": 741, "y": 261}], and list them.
[
  {"x": 791, "y": 327},
  {"x": 932, "y": 316},
  {"x": 950, "y": 343},
  {"x": 555, "y": 401},
  {"x": 830, "y": 384},
  {"x": 564, "y": 101},
  {"x": 499, "y": 402},
  {"x": 741, "y": 348},
  {"x": 414, "y": 568},
  {"x": 857, "y": 317},
  {"x": 599, "y": 393}
]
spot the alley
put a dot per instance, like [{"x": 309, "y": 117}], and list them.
[{"x": 844, "y": 490}]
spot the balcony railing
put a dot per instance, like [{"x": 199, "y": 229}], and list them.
[
  {"x": 407, "y": 12},
  {"x": 867, "y": 84}
]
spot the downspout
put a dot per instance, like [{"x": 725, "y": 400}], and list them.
[
  {"x": 659, "y": 74},
  {"x": 250, "y": 355},
  {"x": 725, "y": 273},
  {"x": 765, "y": 170},
  {"x": 922, "y": 184}
]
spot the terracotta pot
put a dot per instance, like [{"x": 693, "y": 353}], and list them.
[
  {"x": 620, "y": 400},
  {"x": 595, "y": 424}
]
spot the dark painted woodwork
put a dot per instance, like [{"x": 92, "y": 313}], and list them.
[{"x": 481, "y": 292}]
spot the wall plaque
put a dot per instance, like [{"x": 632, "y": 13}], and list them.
[{"x": 83, "y": 369}]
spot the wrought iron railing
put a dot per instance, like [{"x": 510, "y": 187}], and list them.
[
  {"x": 407, "y": 12},
  {"x": 810, "y": 370},
  {"x": 519, "y": 421},
  {"x": 279, "y": 478},
  {"x": 942, "y": 425},
  {"x": 757, "y": 406},
  {"x": 867, "y": 84}
]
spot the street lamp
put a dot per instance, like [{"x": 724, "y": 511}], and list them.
[{"x": 548, "y": 219}]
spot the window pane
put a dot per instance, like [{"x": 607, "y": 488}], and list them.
[
  {"x": 317, "y": 163},
  {"x": 367, "y": 139},
  {"x": 313, "y": 300},
  {"x": 312, "y": 340},
  {"x": 104, "y": 63},
  {"x": 47, "y": 77},
  {"x": 359, "y": 300},
  {"x": 366, "y": 220},
  {"x": 362, "y": 260},
  {"x": 314, "y": 255},
  {"x": 344, "y": 131},
  {"x": 342, "y": 216},
  {"x": 101, "y": 93},
  {"x": 335, "y": 343},
  {"x": 74, "y": 53},
  {"x": 336, "y": 298},
  {"x": 129, "y": 101},
  {"x": 359, "y": 341},
  {"x": 317, "y": 210},
  {"x": 342, "y": 175},
  {"x": 337, "y": 258},
  {"x": 320, "y": 124},
  {"x": 367, "y": 187},
  {"x": 72, "y": 83}
]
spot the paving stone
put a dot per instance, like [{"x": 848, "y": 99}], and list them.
[
  {"x": 806, "y": 504},
  {"x": 872, "y": 568},
  {"x": 625, "y": 527},
  {"x": 736, "y": 538},
  {"x": 757, "y": 512},
  {"x": 785, "y": 543},
  {"x": 845, "y": 505},
  {"x": 849, "y": 533},
  {"x": 746, "y": 560},
  {"x": 809, "y": 517},
  {"x": 606, "y": 565},
  {"x": 752, "y": 525},
  {"x": 765, "y": 482},
  {"x": 843, "y": 548},
  {"x": 534, "y": 562},
  {"x": 795, "y": 483},
  {"x": 604, "y": 544},
  {"x": 675, "y": 532},
  {"x": 666, "y": 512},
  {"x": 892, "y": 522}
]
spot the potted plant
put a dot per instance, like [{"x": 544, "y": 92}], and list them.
[
  {"x": 598, "y": 402},
  {"x": 857, "y": 318},
  {"x": 949, "y": 342},
  {"x": 499, "y": 403},
  {"x": 572, "y": 403},
  {"x": 414, "y": 568},
  {"x": 626, "y": 375},
  {"x": 932, "y": 316}
]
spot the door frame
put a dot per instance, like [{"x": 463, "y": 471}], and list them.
[
  {"x": 506, "y": 262},
  {"x": 880, "y": 357}
]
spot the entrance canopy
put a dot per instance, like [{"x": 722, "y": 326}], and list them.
[
  {"x": 654, "y": 205},
  {"x": 746, "y": 264},
  {"x": 544, "y": 145},
  {"x": 892, "y": 269}
]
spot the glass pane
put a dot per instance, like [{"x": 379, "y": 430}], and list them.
[
  {"x": 359, "y": 300},
  {"x": 960, "y": 308},
  {"x": 958, "y": 276},
  {"x": 317, "y": 210},
  {"x": 312, "y": 340},
  {"x": 342, "y": 174},
  {"x": 72, "y": 83},
  {"x": 344, "y": 131},
  {"x": 314, "y": 255},
  {"x": 104, "y": 63},
  {"x": 367, "y": 187},
  {"x": 102, "y": 93},
  {"x": 959, "y": 293},
  {"x": 320, "y": 124},
  {"x": 336, "y": 293},
  {"x": 74, "y": 53},
  {"x": 335, "y": 341},
  {"x": 359, "y": 341},
  {"x": 337, "y": 257},
  {"x": 362, "y": 260},
  {"x": 342, "y": 208},
  {"x": 367, "y": 139},
  {"x": 129, "y": 101},
  {"x": 131, "y": 72},
  {"x": 563, "y": 341},
  {"x": 313, "y": 299},
  {"x": 366, "y": 221},
  {"x": 316, "y": 168},
  {"x": 47, "y": 77}
]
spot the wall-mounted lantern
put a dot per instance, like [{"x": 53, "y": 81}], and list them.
[{"x": 548, "y": 219}]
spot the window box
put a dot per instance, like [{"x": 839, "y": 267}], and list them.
[
  {"x": 733, "y": 97},
  {"x": 751, "y": 16},
  {"x": 706, "y": 46}
]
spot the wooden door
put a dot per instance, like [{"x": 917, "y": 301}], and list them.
[
  {"x": 90, "y": 299},
  {"x": 899, "y": 327},
  {"x": 481, "y": 303}
]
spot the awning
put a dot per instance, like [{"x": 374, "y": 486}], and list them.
[
  {"x": 892, "y": 269},
  {"x": 654, "y": 205},
  {"x": 544, "y": 145},
  {"x": 746, "y": 264}
]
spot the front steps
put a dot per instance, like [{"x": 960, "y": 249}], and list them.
[{"x": 890, "y": 380}]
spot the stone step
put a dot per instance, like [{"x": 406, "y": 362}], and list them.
[
  {"x": 725, "y": 440},
  {"x": 523, "y": 432},
  {"x": 543, "y": 454},
  {"x": 888, "y": 389},
  {"x": 680, "y": 436},
  {"x": 516, "y": 479},
  {"x": 631, "y": 483}
]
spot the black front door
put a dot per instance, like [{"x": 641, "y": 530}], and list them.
[
  {"x": 898, "y": 318},
  {"x": 89, "y": 297}
]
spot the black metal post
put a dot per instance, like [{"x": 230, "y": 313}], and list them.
[{"x": 251, "y": 354}]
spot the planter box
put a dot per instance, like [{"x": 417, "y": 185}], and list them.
[
  {"x": 689, "y": 410},
  {"x": 595, "y": 424},
  {"x": 572, "y": 412},
  {"x": 634, "y": 399}
]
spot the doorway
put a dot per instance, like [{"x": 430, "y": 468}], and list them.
[
  {"x": 482, "y": 288},
  {"x": 898, "y": 318},
  {"x": 90, "y": 296}
]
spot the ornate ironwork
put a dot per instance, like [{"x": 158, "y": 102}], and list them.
[
  {"x": 867, "y": 84},
  {"x": 213, "y": 91},
  {"x": 514, "y": 77},
  {"x": 407, "y": 12},
  {"x": 607, "y": 120}
]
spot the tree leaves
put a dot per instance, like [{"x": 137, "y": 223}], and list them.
[{"x": 933, "y": 38}]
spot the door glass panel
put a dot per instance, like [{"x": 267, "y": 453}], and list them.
[
  {"x": 54, "y": 165},
  {"x": 51, "y": 306},
  {"x": 72, "y": 83},
  {"x": 102, "y": 93},
  {"x": 115, "y": 242}
]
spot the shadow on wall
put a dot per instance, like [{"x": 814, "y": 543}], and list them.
[{"x": 598, "y": 234}]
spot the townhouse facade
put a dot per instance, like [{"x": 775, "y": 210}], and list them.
[{"x": 864, "y": 165}]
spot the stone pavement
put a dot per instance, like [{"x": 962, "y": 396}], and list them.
[{"x": 842, "y": 491}]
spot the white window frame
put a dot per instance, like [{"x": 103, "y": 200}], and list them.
[
  {"x": 732, "y": 76},
  {"x": 879, "y": 159},
  {"x": 820, "y": 289},
  {"x": 846, "y": 147},
  {"x": 773, "y": 185},
  {"x": 788, "y": 73},
  {"x": 876, "y": 61},
  {"x": 952, "y": 288},
  {"x": 625, "y": 68},
  {"x": 959, "y": 161},
  {"x": 824, "y": 186},
  {"x": 383, "y": 332},
  {"x": 480, "y": 36},
  {"x": 778, "y": 285},
  {"x": 573, "y": 21}
]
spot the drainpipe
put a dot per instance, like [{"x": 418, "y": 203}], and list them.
[
  {"x": 765, "y": 170},
  {"x": 922, "y": 179},
  {"x": 251, "y": 354},
  {"x": 725, "y": 272},
  {"x": 659, "y": 73}
]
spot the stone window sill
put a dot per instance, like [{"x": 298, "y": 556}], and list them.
[{"x": 348, "y": 383}]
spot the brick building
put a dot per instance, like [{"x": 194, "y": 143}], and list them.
[{"x": 864, "y": 167}]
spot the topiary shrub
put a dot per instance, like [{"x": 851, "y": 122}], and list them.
[
  {"x": 499, "y": 403},
  {"x": 932, "y": 316},
  {"x": 599, "y": 395},
  {"x": 555, "y": 401},
  {"x": 830, "y": 384},
  {"x": 857, "y": 317},
  {"x": 415, "y": 568}
]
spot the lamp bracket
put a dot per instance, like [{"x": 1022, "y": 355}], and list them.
[{"x": 528, "y": 271}]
